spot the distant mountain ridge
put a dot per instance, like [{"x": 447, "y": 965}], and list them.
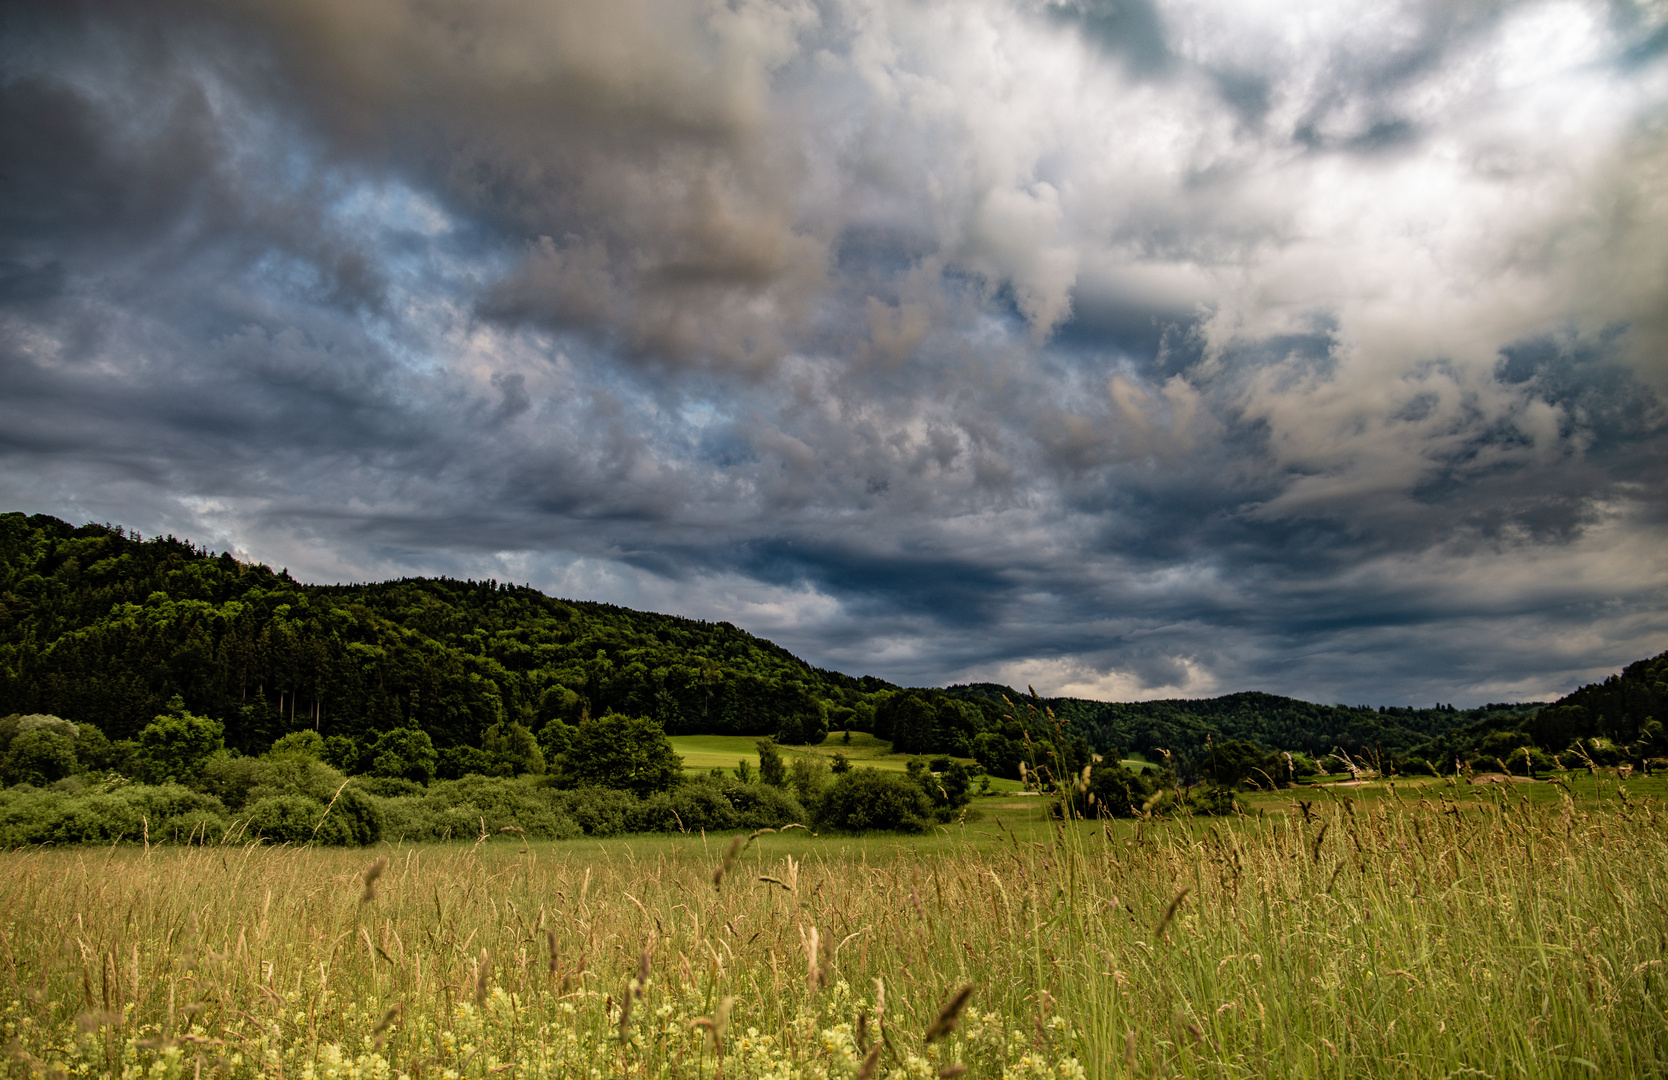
[{"x": 1270, "y": 720}]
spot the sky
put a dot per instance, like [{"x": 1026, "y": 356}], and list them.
[{"x": 1126, "y": 348}]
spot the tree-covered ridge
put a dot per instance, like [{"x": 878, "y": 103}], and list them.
[
  {"x": 1183, "y": 727},
  {"x": 101, "y": 626}
]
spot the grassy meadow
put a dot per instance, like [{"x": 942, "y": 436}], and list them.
[
  {"x": 1422, "y": 929},
  {"x": 701, "y": 753}
]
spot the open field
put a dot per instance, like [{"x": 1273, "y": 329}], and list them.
[
  {"x": 703, "y": 752},
  {"x": 1443, "y": 931}
]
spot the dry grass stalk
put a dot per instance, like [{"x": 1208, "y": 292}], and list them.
[
  {"x": 813, "y": 959},
  {"x": 732, "y": 853},
  {"x": 949, "y": 1014},
  {"x": 644, "y": 966},
  {"x": 870, "y": 1061},
  {"x": 716, "y": 1025},
  {"x": 326, "y": 813}
]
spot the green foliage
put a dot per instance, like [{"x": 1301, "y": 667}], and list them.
[
  {"x": 617, "y": 751},
  {"x": 1212, "y": 800},
  {"x": 457, "y": 762},
  {"x": 1231, "y": 763},
  {"x": 39, "y": 757},
  {"x": 304, "y": 743},
  {"x": 947, "y": 790},
  {"x": 555, "y": 738},
  {"x": 285, "y": 819},
  {"x": 176, "y": 745},
  {"x": 772, "y": 770},
  {"x": 807, "y": 777},
  {"x": 601, "y": 811},
  {"x": 514, "y": 746},
  {"x": 404, "y": 753},
  {"x": 1114, "y": 791},
  {"x": 761, "y": 806},
  {"x": 464, "y": 809},
  {"x": 868, "y": 800},
  {"x": 103, "y": 815},
  {"x": 102, "y": 626},
  {"x": 341, "y": 752}
]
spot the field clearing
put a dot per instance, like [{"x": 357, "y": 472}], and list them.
[
  {"x": 1435, "y": 932},
  {"x": 701, "y": 753}
]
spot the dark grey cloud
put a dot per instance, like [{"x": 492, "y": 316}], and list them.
[{"x": 1127, "y": 349}]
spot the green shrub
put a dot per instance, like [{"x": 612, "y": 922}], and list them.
[
  {"x": 772, "y": 770},
  {"x": 305, "y": 743},
  {"x": 135, "y": 812},
  {"x": 176, "y": 745},
  {"x": 39, "y": 756},
  {"x": 1212, "y": 800},
  {"x": 284, "y": 819},
  {"x": 630, "y": 753},
  {"x": 1114, "y": 791},
  {"x": 240, "y": 781},
  {"x": 354, "y": 819},
  {"x": 600, "y": 811},
  {"x": 464, "y": 807},
  {"x": 387, "y": 787},
  {"x": 231, "y": 779},
  {"x": 405, "y": 753},
  {"x": 691, "y": 807},
  {"x": 865, "y": 800},
  {"x": 760, "y": 806}
]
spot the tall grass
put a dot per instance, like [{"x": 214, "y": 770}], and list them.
[{"x": 1403, "y": 936}]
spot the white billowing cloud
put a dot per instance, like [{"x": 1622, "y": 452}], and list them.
[{"x": 937, "y": 337}]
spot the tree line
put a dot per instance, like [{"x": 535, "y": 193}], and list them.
[{"x": 433, "y": 680}]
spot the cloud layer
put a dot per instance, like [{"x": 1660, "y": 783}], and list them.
[{"x": 1129, "y": 349}]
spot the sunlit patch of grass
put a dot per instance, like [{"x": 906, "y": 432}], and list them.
[{"x": 701, "y": 753}]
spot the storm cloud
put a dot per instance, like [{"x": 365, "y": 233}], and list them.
[{"x": 1124, "y": 348}]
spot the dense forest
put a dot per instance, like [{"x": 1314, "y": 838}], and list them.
[
  {"x": 101, "y": 626},
  {"x": 145, "y": 646}
]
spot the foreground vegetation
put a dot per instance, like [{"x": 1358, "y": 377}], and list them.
[{"x": 1431, "y": 930}]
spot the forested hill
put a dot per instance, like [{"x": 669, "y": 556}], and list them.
[
  {"x": 100, "y": 626},
  {"x": 1269, "y": 720},
  {"x": 1619, "y": 719}
]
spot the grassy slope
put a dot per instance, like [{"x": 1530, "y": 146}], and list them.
[{"x": 703, "y": 752}]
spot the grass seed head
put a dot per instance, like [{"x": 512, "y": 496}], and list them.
[
  {"x": 1170, "y": 912},
  {"x": 483, "y": 968},
  {"x": 369, "y": 876},
  {"x": 948, "y": 1015}
]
